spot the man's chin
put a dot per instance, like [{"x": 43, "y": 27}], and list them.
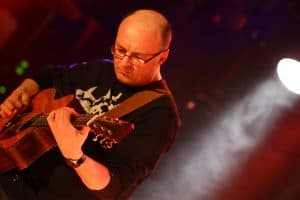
[{"x": 125, "y": 80}]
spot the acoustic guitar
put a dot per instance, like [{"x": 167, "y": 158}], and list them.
[{"x": 27, "y": 136}]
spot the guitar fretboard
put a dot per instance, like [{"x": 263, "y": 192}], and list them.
[{"x": 41, "y": 120}]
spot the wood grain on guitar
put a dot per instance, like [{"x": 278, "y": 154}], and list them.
[{"x": 26, "y": 137}]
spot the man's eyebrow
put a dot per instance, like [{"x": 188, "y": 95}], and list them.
[
  {"x": 119, "y": 46},
  {"x": 123, "y": 48}
]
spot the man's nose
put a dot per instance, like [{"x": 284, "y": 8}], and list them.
[{"x": 127, "y": 65}]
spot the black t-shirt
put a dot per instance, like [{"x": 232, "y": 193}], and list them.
[{"x": 96, "y": 89}]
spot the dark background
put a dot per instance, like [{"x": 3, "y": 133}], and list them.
[{"x": 220, "y": 49}]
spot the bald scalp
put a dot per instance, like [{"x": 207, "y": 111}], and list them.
[{"x": 151, "y": 20}]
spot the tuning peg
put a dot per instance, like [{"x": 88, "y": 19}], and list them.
[
  {"x": 109, "y": 132},
  {"x": 95, "y": 138},
  {"x": 107, "y": 144}
]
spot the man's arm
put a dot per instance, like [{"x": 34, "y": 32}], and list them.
[
  {"x": 70, "y": 140},
  {"x": 93, "y": 174},
  {"x": 19, "y": 99}
]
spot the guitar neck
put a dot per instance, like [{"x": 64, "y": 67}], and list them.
[{"x": 41, "y": 120}]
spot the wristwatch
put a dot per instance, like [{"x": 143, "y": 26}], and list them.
[{"x": 77, "y": 162}]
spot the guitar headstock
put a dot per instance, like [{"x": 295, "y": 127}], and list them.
[{"x": 109, "y": 131}]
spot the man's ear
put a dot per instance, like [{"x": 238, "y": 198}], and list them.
[{"x": 164, "y": 56}]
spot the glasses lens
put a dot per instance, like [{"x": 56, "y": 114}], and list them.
[
  {"x": 121, "y": 53},
  {"x": 116, "y": 53}
]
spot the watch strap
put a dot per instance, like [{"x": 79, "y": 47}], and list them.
[{"x": 74, "y": 163}]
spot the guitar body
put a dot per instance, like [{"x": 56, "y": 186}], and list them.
[{"x": 20, "y": 145}]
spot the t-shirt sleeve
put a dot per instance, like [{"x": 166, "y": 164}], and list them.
[
  {"x": 45, "y": 76},
  {"x": 66, "y": 78}
]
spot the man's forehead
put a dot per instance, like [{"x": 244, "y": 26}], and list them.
[{"x": 138, "y": 39}]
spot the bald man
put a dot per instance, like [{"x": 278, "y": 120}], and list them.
[{"x": 80, "y": 168}]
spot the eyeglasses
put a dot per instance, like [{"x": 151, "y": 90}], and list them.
[{"x": 121, "y": 53}]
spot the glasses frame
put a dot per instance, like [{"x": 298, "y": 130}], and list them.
[{"x": 140, "y": 60}]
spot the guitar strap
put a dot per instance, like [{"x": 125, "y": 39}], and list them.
[
  {"x": 139, "y": 99},
  {"x": 130, "y": 104}
]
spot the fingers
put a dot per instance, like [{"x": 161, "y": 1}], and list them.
[
  {"x": 85, "y": 130},
  {"x": 51, "y": 117},
  {"x": 61, "y": 117},
  {"x": 15, "y": 103},
  {"x": 57, "y": 116},
  {"x": 63, "y": 112},
  {"x": 25, "y": 99},
  {"x": 68, "y": 138},
  {"x": 7, "y": 108}
]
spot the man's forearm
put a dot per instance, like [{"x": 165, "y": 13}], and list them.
[{"x": 93, "y": 174}]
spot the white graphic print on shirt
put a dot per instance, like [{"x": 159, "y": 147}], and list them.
[{"x": 93, "y": 105}]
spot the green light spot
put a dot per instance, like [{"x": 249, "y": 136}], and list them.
[
  {"x": 24, "y": 64},
  {"x": 19, "y": 71},
  {"x": 2, "y": 89}
]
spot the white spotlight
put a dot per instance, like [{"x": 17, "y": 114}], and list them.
[{"x": 288, "y": 71}]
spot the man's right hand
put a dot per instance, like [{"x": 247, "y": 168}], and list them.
[{"x": 19, "y": 99}]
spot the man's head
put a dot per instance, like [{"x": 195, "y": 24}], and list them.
[{"x": 141, "y": 47}]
